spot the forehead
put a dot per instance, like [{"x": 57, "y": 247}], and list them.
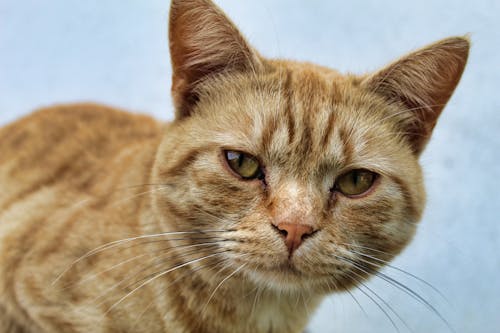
[{"x": 303, "y": 119}]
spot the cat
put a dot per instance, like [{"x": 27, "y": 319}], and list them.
[{"x": 278, "y": 182}]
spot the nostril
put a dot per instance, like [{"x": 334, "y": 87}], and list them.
[
  {"x": 307, "y": 235},
  {"x": 283, "y": 232}
]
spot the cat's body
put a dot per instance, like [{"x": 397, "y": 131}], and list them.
[
  {"x": 205, "y": 246},
  {"x": 73, "y": 146}
]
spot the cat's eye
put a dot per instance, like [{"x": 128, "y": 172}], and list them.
[
  {"x": 355, "y": 182},
  {"x": 245, "y": 165}
]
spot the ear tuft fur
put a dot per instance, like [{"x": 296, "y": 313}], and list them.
[
  {"x": 203, "y": 42},
  {"x": 422, "y": 82}
]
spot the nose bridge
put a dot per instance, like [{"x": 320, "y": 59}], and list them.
[
  {"x": 293, "y": 202},
  {"x": 294, "y": 213}
]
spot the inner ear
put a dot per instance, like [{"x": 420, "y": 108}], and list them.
[
  {"x": 422, "y": 83},
  {"x": 203, "y": 43}
]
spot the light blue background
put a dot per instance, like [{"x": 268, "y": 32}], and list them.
[{"x": 115, "y": 52}]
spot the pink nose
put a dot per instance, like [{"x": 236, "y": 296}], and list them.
[{"x": 294, "y": 234}]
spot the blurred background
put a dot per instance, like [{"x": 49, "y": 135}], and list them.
[{"x": 116, "y": 52}]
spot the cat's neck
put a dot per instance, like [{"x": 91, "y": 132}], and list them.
[{"x": 238, "y": 305}]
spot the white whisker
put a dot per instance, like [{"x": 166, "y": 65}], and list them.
[
  {"x": 116, "y": 243},
  {"x": 221, "y": 283},
  {"x": 158, "y": 276}
]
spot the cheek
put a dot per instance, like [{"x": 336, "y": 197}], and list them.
[
  {"x": 257, "y": 234},
  {"x": 224, "y": 194},
  {"x": 205, "y": 191},
  {"x": 382, "y": 224}
]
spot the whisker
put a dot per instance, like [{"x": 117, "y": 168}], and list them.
[
  {"x": 140, "y": 270},
  {"x": 380, "y": 307},
  {"x": 386, "y": 264},
  {"x": 336, "y": 287},
  {"x": 383, "y": 301},
  {"x": 376, "y": 303},
  {"x": 414, "y": 295},
  {"x": 366, "y": 248},
  {"x": 188, "y": 273},
  {"x": 238, "y": 256},
  {"x": 135, "y": 273},
  {"x": 183, "y": 239},
  {"x": 204, "y": 211},
  {"x": 221, "y": 283},
  {"x": 93, "y": 276},
  {"x": 158, "y": 276},
  {"x": 260, "y": 290},
  {"x": 401, "y": 287},
  {"x": 113, "y": 244},
  {"x": 210, "y": 246},
  {"x": 357, "y": 302}
]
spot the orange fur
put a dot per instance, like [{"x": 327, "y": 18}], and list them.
[{"x": 199, "y": 252}]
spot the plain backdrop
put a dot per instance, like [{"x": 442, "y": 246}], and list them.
[{"x": 115, "y": 52}]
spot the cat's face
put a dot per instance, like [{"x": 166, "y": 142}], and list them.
[
  {"x": 306, "y": 129},
  {"x": 303, "y": 175}
]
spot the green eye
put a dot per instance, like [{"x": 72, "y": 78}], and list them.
[
  {"x": 243, "y": 164},
  {"x": 355, "y": 182}
]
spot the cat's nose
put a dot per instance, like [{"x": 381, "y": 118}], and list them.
[{"x": 294, "y": 234}]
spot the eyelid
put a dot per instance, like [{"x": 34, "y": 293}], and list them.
[
  {"x": 243, "y": 151},
  {"x": 375, "y": 183},
  {"x": 260, "y": 175}
]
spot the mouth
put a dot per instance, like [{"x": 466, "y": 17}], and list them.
[
  {"x": 283, "y": 276},
  {"x": 291, "y": 274},
  {"x": 287, "y": 268}
]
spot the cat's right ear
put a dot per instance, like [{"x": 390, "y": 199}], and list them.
[{"x": 203, "y": 43}]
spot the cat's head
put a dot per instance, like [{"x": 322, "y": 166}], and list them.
[{"x": 309, "y": 178}]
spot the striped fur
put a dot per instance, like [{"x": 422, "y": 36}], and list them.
[{"x": 198, "y": 252}]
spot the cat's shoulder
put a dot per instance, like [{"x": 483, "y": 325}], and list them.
[
  {"x": 70, "y": 141},
  {"x": 89, "y": 123}
]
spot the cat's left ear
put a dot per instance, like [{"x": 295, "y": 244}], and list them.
[
  {"x": 422, "y": 83},
  {"x": 203, "y": 43}
]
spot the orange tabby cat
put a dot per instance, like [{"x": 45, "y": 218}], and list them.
[{"x": 278, "y": 182}]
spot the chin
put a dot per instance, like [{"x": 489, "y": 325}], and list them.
[{"x": 287, "y": 278}]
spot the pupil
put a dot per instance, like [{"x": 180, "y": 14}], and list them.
[{"x": 355, "y": 177}]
